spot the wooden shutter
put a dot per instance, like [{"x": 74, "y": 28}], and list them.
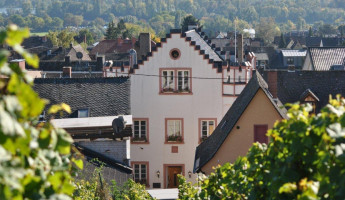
[{"x": 260, "y": 133}]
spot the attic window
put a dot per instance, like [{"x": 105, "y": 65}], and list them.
[
  {"x": 175, "y": 54},
  {"x": 83, "y": 112}
]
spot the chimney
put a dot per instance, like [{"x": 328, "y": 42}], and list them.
[
  {"x": 20, "y": 63},
  {"x": 272, "y": 82},
  {"x": 119, "y": 41},
  {"x": 144, "y": 44},
  {"x": 132, "y": 57},
  {"x": 67, "y": 60},
  {"x": 240, "y": 48},
  {"x": 70, "y": 45},
  {"x": 67, "y": 72},
  {"x": 44, "y": 39},
  {"x": 99, "y": 63}
]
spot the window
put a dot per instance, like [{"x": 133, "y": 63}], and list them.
[
  {"x": 174, "y": 130},
  {"x": 206, "y": 128},
  {"x": 175, "y": 81},
  {"x": 175, "y": 54},
  {"x": 260, "y": 133},
  {"x": 183, "y": 81},
  {"x": 83, "y": 113},
  {"x": 168, "y": 81},
  {"x": 140, "y": 172},
  {"x": 290, "y": 61},
  {"x": 140, "y": 130}
]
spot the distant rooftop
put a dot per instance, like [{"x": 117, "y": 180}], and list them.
[{"x": 294, "y": 53}]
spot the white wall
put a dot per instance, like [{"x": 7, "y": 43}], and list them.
[{"x": 207, "y": 101}]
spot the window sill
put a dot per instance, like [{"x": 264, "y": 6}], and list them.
[
  {"x": 174, "y": 142},
  {"x": 175, "y": 93},
  {"x": 140, "y": 142}
]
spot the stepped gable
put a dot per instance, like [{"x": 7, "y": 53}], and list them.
[{"x": 198, "y": 40}]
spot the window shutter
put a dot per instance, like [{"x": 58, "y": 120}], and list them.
[{"x": 260, "y": 133}]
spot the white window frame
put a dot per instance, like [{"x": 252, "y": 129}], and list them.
[
  {"x": 168, "y": 81},
  {"x": 207, "y": 128},
  {"x": 140, "y": 128},
  {"x": 183, "y": 82},
  {"x": 174, "y": 127}
]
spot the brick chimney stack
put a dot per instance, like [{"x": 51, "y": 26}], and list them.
[
  {"x": 145, "y": 44},
  {"x": 67, "y": 72},
  {"x": 272, "y": 83},
  {"x": 240, "y": 48}
]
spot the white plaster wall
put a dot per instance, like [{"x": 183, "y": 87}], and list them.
[{"x": 206, "y": 102}]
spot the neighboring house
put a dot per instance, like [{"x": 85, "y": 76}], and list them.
[
  {"x": 262, "y": 60},
  {"x": 324, "y": 41},
  {"x": 95, "y": 104},
  {"x": 259, "y": 106},
  {"x": 247, "y": 121},
  {"x": 36, "y": 41},
  {"x": 288, "y": 59},
  {"x": 293, "y": 58},
  {"x": 179, "y": 93},
  {"x": 325, "y": 58},
  {"x": 65, "y": 68}
]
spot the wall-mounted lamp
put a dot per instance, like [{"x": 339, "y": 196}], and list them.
[
  {"x": 190, "y": 174},
  {"x": 158, "y": 173}
]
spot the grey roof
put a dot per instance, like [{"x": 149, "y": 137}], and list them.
[
  {"x": 103, "y": 96},
  {"x": 292, "y": 85},
  {"x": 313, "y": 41},
  {"x": 261, "y": 56},
  {"x": 294, "y": 53},
  {"x": 111, "y": 162},
  {"x": 322, "y": 58},
  {"x": 203, "y": 45},
  {"x": 207, "y": 149}
]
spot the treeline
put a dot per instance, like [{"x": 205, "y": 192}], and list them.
[{"x": 162, "y": 15}]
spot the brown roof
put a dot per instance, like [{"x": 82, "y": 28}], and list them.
[{"x": 111, "y": 46}]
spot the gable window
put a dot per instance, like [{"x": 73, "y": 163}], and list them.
[
  {"x": 175, "y": 81},
  {"x": 206, "y": 128},
  {"x": 174, "y": 130},
  {"x": 140, "y": 130},
  {"x": 175, "y": 54},
  {"x": 83, "y": 113},
  {"x": 140, "y": 172}
]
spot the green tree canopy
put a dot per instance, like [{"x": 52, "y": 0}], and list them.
[
  {"x": 35, "y": 157},
  {"x": 187, "y": 21}
]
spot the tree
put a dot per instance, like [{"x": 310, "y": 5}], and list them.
[
  {"x": 85, "y": 33},
  {"x": 267, "y": 30},
  {"x": 27, "y": 8},
  {"x": 111, "y": 31},
  {"x": 305, "y": 159},
  {"x": 282, "y": 42},
  {"x": 310, "y": 32},
  {"x": 327, "y": 29},
  {"x": 36, "y": 160},
  {"x": 61, "y": 38},
  {"x": 187, "y": 21}
]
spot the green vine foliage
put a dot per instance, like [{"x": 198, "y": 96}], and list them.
[
  {"x": 35, "y": 158},
  {"x": 305, "y": 160},
  {"x": 130, "y": 191}
]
